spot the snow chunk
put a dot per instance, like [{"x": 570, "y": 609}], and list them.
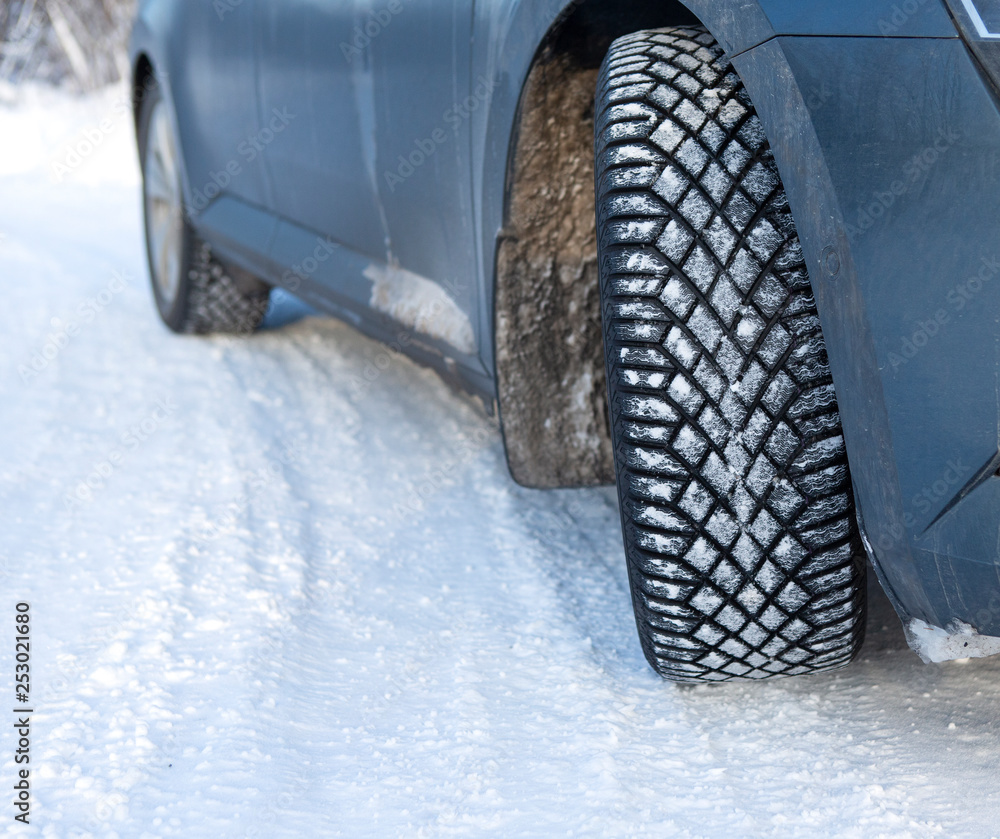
[
  {"x": 654, "y": 460},
  {"x": 644, "y": 378},
  {"x": 633, "y": 153},
  {"x": 631, "y": 110},
  {"x": 653, "y": 488},
  {"x": 644, "y": 262},
  {"x": 420, "y": 304},
  {"x": 681, "y": 348},
  {"x": 668, "y": 136},
  {"x": 642, "y": 355},
  {"x": 674, "y": 241},
  {"x": 958, "y": 640},
  {"x": 684, "y": 394},
  {"x": 661, "y": 543},
  {"x": 634, "y": 232},
  {"x": 657, "y": 517},
  {"x": 671, "y": 185},
  {"x": 678, "y": 297},
  {"x": 731, "y": 113},
  {"x": 691, "y": 115},
  {"x": 648, "y": 407},
  {"x": 727, "y": 577},
  {"x": 690, "y": 445}
]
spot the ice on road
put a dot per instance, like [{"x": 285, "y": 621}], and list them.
[{"x": 284, "y": 587}]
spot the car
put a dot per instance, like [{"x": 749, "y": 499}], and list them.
[{"x": 737, "y": 256}]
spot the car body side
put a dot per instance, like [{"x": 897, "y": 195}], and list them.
[{"x": 886, "y": 131}]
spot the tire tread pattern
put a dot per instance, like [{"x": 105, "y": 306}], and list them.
[
  {"x": 215, "y": 302},
  {"x": 738, "y": 517}
]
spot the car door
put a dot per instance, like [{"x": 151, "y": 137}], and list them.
[
  {"x": 205, "y": 62},
  {"x": 320, "y": 155},
  {"x": 423, "y": 105}
]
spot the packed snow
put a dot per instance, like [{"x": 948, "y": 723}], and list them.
[
  {"x": 283, "y": 586},
  {"x": 420, "y": 304}
]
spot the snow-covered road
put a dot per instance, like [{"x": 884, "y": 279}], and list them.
[{"x": 284, "y": 587}]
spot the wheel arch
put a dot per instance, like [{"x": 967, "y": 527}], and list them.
[
  {"x": 546, "y": 350},
  {"x": 757, "y": 37},
  {"x": 142, "y": 75}
]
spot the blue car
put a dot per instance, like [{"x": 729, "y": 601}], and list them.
[{"x": 738, "y": 256}]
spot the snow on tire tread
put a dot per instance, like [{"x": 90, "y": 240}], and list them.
[
  {"x": 738, "y": 517},
  {"x": 215, "y": 302}
]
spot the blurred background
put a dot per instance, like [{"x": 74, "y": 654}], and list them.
[{"x": 78, "y": 44}]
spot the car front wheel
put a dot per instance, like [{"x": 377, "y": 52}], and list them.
[{"x": 737, "y": 513}]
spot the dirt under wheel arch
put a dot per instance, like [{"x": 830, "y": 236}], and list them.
[{"x": 550, "y": 362}]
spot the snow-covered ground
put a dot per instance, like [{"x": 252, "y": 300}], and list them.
[{"x": 284, "y": 587}]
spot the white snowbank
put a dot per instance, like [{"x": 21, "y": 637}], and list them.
[{"x": 76, "y": 139}]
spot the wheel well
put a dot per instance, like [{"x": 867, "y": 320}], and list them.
[
  {"x": 549, "y": 345},
  {"x": 588, "y": 29},
  {"x": 141, "y": 78}
]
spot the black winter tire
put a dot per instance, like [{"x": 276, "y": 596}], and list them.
[
  {"x": 736, "y": 504},
  {"x": 194, "y": 292}
]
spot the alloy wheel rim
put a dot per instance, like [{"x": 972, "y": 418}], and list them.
[{"x": 164, "y": 205}]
